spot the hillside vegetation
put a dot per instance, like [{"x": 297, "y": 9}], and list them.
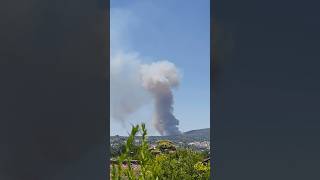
[{"x": 162, "y": 162}]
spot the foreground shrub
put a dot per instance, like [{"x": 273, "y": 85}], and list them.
[{"x": 168, "y": 163}]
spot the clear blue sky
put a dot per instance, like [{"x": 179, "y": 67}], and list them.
[{"x": 177, "y": 30}]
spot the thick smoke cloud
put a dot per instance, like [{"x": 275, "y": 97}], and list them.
[
  {"x": 158, "y": 78},
  {"x": 134, "y": 84}
]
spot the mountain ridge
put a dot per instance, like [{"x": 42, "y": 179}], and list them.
[{"x": 198, "y": 132}]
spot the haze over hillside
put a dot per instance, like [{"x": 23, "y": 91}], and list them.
[{"x": 197, "y": 132}]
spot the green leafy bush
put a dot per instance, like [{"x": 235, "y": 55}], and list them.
[{"x": 168, "y": 163}]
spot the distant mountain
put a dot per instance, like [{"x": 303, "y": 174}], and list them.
[{"x": 200, "y": 132}]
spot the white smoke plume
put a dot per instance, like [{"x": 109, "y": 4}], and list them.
[
  {"x": 159, "y": 78},
  {"x": 134, "y": 84},
  {"x": 126, "y": 93}
]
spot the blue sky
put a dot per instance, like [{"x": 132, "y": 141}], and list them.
[{"x": 178, "y": 31}]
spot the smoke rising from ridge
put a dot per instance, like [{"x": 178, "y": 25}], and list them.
[
  {"x": 134, "y": 84},
  {"x": 158, "y": 78}
]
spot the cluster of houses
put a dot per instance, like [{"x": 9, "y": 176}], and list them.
[{"x": 201, "y": 145}]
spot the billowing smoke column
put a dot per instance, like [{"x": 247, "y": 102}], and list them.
[
  {"x": 159, "y": 78},
  {"x": 133, "y": 84}
]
